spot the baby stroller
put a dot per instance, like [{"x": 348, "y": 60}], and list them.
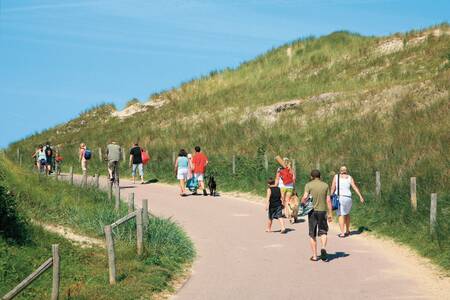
[{"x": 192, "y": 184}]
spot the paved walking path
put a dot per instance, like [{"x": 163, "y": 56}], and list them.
[{"x": 238, "y": 260}]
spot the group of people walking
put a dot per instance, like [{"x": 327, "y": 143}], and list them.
[
  {"x": 46, "y": 160},
  {"x": 282, "y": 202},
  {"x": 189, "y": 168}
]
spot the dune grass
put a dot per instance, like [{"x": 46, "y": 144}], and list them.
[
  {"x": 389, "y": 113},
  {"x": 84, "y": 271}
]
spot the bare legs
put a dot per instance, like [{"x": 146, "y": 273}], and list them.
[
  {"x": 182, "y": 186},
  {"x": 313, "y": 244},
  {"x": 269, "y": 225},
  {"x": 344, "y": 224}
]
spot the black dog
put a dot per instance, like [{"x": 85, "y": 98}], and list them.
[{"x": 212, "y": 186}]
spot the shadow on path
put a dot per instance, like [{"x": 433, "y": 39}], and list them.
[{"x": 337, "y": 255}]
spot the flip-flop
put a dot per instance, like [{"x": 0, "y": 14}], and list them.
[
  {"x": 313, "y": 259},
  {"x": 341, "y": 235}
]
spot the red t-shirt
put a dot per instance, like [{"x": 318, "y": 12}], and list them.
[{"x": 199, "y": 160}]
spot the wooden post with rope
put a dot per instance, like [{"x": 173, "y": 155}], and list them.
[
  {"x": 433, "y": 213},
  {"x": 413, "y": 194}
]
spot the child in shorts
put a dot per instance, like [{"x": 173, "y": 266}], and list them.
[{"x": 274, "y": 206}]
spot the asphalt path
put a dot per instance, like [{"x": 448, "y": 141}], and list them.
[{"x": 237, "y": 259}]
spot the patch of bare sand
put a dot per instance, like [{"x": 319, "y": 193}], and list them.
[{"x": 67, "y": 233}]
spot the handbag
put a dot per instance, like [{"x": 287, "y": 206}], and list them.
[{"x": 335, "y": 198}]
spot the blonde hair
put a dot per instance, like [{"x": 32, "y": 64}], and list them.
[{"x": 287, "y": 162}]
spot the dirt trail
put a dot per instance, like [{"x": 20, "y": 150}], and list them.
[{"x": 238, "y": 260}]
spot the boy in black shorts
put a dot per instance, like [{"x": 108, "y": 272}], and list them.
[
  {"x": 273, "y": 205},
  {"x": 318, "y": 218}
]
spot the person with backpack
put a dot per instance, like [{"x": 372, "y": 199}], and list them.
[
  {"x": 181, "y": 168},
  {"x": 200, "y": 161},
  {"x": 49, "y": 157},
  {"x": 341, "y": 184},
  {"x": 136, "y": 162},
  {"x": 285, "y": 180},
  {"x": 83, "y": 157}
]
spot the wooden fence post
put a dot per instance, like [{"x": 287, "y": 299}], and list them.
[
  {"x": 123, "y": 155},
  {"x": 377, "y": 184},
  {"x": 130, "y": 202},
  {"x": 56, "y": 272},
  {"x": 139, "y": 232},
  {"x": 173, "y": 158},
  {"x": 289, "y": 54},
  {"x": 117, "y": 196},
  {"x": 266, "y": 162},
  {"x": 111, "y": 254},
  {"x": 234, "y": 164},
  {"x": 71, "y": 175},
  {"x": 433, "y": 212},
  {"x": 145, "y": 213},
  {"x": 97, "y": 180},
  {"x": 100, "y": 154},
  {"x": 110, "y": 184},
  {"x": 18, "y": 154},
  {"x": 413, "y": 194}
]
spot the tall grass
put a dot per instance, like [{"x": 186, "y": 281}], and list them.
[{"x": 168, "y": 249}]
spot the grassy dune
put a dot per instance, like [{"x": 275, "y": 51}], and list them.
[
  {"x": 84, "y": 271},
  {"x": 371, "y": 103}
]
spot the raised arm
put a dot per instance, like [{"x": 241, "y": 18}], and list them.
[
  {"x": 356, "y": 189},
  {"x": 277, "y": 179}
]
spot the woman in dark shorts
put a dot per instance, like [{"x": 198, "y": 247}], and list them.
[{"x": 274, "y": 206}]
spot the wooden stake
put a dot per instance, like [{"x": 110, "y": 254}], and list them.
[
  {"x": 413, "y": 194},
  {"x": 117, "y": 196},
  {"x": 234, "y": 164},
  {"x": 110, "y": 190},
  {"x": 173, "y": 158},
  {"x": 145, "y": 213},
  {"x": 71, "y": 175},
  {"x": 56, "y": 272},
  {"x": 100, "y": 154},
  {"x": 97, "y": 180},
  {"x": 111, "y": 254},
  {"x": 139, "y": 232},
  {"x": 130, "y": 202},
  {"x": 433, "y": 213},
  {"x": 266, "y": 162},
  {"x": 377, "y": 184},
  {"x": 18, "y": 154}
]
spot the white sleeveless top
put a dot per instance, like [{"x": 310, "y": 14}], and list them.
[{"x": 344, "y": 185}]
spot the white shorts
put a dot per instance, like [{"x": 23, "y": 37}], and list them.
[
  {"x": 345, "y": 206},
  {"x": 182, "y": 174},
  {"x": 199, "y": 176}
]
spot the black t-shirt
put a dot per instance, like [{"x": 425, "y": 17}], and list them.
[
  {"x": 137, "y": 156},
  {"x": 275, "y": 197},
  {"x": 48, "y": 151}
]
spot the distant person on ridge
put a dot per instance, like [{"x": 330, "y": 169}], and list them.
[
  {"x": 49, "y": 157},
  {"x": 342, "y": 182},
  {"x": 181, "y": 168},
  {"x": 82, "y": 159},
  {"x": 200, "y": 161},
  {"x": 318, "y": 217},
  {"x": 136, "y": 161},
  {"x": 113, "y": 152},
  {"x": 274, "y": 207}
]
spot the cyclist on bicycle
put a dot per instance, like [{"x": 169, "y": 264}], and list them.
[{"x": 114, "y": 152}]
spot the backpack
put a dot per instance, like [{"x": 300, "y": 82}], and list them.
[
  {"x": 286, "y": 176},
  {"x": 192, "y": 184},
  {"x": 87, "y": 154},
  {"x": 145, "y": 157}
]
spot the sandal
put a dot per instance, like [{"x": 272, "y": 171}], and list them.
[
  {"x": 342, "y": 235},
  {"x": 313, "y": 259}
]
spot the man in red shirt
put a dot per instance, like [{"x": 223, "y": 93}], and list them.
[{"x": 200, "y": 161}]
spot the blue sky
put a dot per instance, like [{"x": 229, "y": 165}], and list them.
[{"x": 60, "y": 57}]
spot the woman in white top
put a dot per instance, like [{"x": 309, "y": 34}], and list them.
[{"x": 345, "y": 198}]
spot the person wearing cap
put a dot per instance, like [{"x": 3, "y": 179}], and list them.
[{"x": 345, "y": 198}]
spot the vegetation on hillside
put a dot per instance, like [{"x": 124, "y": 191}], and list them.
[
  {"x": 371, "y": 103},
  {"x": 84, "y": 270}
]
